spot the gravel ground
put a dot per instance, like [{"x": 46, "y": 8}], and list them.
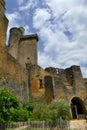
[{"x": 78, "y": 125}]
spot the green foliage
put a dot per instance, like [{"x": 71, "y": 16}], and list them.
[
  {"x": 19, "y": 114},
  {"x": 38, "y": 113},
  {"x": 29, "y": 106},
  {"x": 10, "y": 109},
  {"x": 7, "y": 101},
  {"x": 52, "y": 112},
  {"x": 59, "y": 108}
]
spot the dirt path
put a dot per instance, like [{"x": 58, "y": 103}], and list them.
[
  {"x": 78, "y": 125},
  {"x": 21, "y": 128},
  {"x": 74, "y": 125}
]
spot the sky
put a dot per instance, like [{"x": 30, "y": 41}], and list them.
[{"x": 61, "y": 26}]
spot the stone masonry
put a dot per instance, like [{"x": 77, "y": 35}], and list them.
[{"x": 19, "y": 70}]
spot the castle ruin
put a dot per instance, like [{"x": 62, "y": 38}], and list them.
[{"x": 19, "y": 70}]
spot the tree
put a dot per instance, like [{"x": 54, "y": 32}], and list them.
[{"x": 7, "y": 102}]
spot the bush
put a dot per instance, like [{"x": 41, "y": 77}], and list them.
[
  {"x": 7, "y": 101},
  {"x": 29, "y": 106},
  {"x": 52, "y": 112},
  {"x": 10, "y": 109},
  {"x": 59, "y": 108},
  {"x": 19, "y": 115}
]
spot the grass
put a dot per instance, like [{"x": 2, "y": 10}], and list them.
[
  {"x": 24, "y": 129},
  {"x": 9, "y": 129}
]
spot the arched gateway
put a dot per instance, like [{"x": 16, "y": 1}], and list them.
[{"x": 77, "y": 108}]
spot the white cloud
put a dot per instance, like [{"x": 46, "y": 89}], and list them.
[
  {"x": 59, "y": 6},
  {"x": 68, "y": 16},
  {"x": 27, "y": 29},
  {"x": 25, "y": 5},
  {"x": 41, "y": 16},
  {"x": 75, "y": 19},
  {"x": 13, "y": 21},
  {"x": 84, "y": 71},
  {"x": 20, "y": 2},
  {"x": 62, "y": 27},
  {"x": 13, "y": 17},
  {"x": 44, "y": 60}
]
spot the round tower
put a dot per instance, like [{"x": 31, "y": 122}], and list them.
[
  {"x": 3, "y": 24},
  {"x": 15, "y": 35}
]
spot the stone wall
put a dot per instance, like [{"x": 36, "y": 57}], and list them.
[
  {"x": 85, "y": 82},
  {"x": 36, "y": 80},
  {"x": 75, "y": 79},
  {"x": 36, "y": 76},
  {"x": 3, "y": 24},
  {"x": 28, "y": 49},
  {"x": 49, "y": 90},
  {"x": 11, "y": 71},
  {"x": 66, "y": 83},
  {"x": 16, "y": 76}
]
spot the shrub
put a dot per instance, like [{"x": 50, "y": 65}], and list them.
[
  {"x": 7, "y": 101},
  {"x": 52, "y": 112},
  {"x": 59, "y": 109},
  {"x": 19, "y": 115},
  {"x": 10, "y": 109},
  {"x": 29, "y": 106}
]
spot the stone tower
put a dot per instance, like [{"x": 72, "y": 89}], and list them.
[
  {"x": 3, "y": 24},
  {"x": 23, "y": 47},
  {"x": 28, "y": 49},
  {"x": 14, "y": 38}
]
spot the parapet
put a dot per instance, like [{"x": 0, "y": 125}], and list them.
[
  {"x": 52, "y": 70},
  {"x": 15, "y": 30},
  {"x": 32, "y": 36},
  {"x": 15, "y": 35}
]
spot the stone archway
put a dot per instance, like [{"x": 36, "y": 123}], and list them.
[{"x": 77, "y": 108}]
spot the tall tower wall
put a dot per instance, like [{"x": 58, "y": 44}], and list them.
[
  {"x": 3, "y": 24},
  {"x": 11, "y": 73},
  {"x": 28, "y": 49}
]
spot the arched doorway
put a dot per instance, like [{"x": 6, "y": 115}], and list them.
[{"x": 77, "y": 108}]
